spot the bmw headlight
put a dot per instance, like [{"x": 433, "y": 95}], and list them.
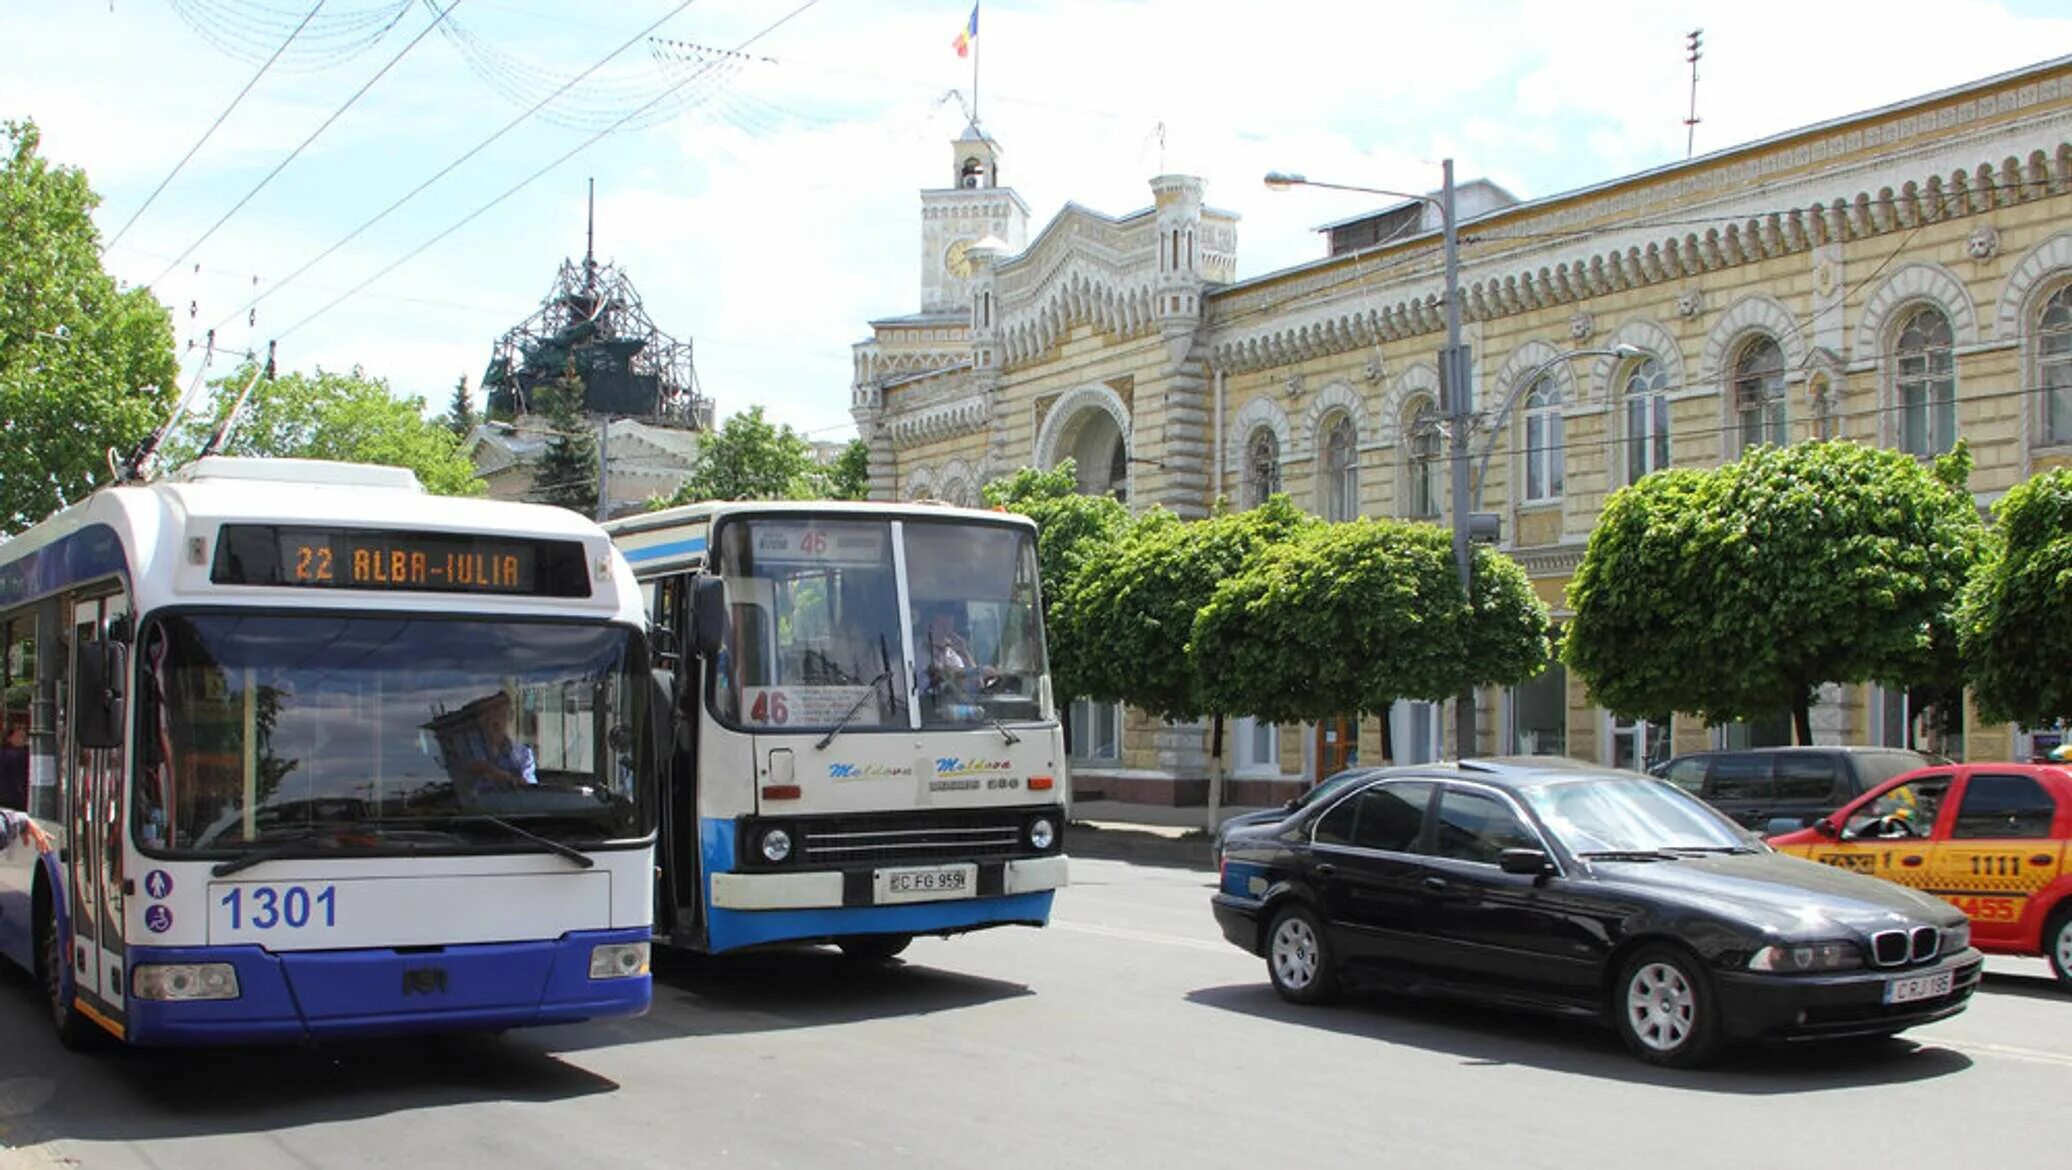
[
  {"x": 1955, "y": 938},
  {"x": 776, "y": 845},
  {"x": 1800, "y": 958},
  {"x": 1042, "y": 833}
]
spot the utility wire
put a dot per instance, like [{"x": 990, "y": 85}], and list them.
[
  {"x": 442, "y": 172},
  {"x": 148, "y": 199},
  {"x": 304, "y": 145},
  {"x": 529, "y": 179}
]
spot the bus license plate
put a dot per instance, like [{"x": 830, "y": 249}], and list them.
[
  {"x": 926, "y": 883},
  {"x": 1918, "y": 987}
]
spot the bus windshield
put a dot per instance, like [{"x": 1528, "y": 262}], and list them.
[
  {"x": 816, "y": 638},
  {"x": 387, "y": 733}
]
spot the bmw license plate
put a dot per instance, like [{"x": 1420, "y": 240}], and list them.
[
  {"x": 930, "y": 883},
  {"x": 1918, "y": 987}
]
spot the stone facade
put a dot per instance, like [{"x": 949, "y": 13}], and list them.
[{"x": 1776, "y": 289}]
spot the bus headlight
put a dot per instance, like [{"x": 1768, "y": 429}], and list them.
[
  {"x": 184, "y": 981},
  {"x": 618, "y": 960},
  {"x": 776, "y": 845},
  {"x": 1042, "y": 834}
]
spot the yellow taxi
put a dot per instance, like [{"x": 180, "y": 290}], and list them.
[{"x": 1990, "y": 839}]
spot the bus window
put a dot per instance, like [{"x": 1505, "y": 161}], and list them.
[
  {"x": 977, "y": 629},
  {"x": 17, "y": 690}
]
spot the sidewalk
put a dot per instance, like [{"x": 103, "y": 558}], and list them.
[{"x": 1148, "y": 834}]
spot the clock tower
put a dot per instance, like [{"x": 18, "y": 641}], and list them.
[{"x": 955, "y": 218}]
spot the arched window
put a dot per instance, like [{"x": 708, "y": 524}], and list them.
[
  {"x": 1646, "y": 391},
  {"x": 1341, "y": 470},
  {"x": 1759, "y": 393},
  {"x": 1119, "y": 472},
  {"x": 1422, "y": 495},
  {"x": 1262, "y": 467},
  {"x": 1927, "y": 383},
  {"x": 1545, "y": 463},
  {"x": 2054, "y": 366}
]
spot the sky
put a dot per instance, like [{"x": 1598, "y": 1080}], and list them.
[{"x": 764, "y": 199}]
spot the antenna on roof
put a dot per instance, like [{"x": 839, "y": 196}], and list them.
[{"x": 1694, "y": 45}]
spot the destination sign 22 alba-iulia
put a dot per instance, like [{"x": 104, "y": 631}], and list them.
[{"x": 433, "y": 562}]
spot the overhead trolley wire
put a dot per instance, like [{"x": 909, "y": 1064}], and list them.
[
  {"x": 304, "y": 144},
  {"x": 442, "y": 172},
  {"x": 148, "y": 199},
  {"x": 529, "y": 179}
]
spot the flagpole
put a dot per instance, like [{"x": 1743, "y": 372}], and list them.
[{"x": 974, "y": 66}]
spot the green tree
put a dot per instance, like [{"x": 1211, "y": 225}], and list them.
[
  {"x": 849, "y": 476},
  {"x": 1342, "y": 619},
  {"x": 2015, "y": 622},
  {"x": 751, "y": 458},
  {"x": 349, "y": 417},
  {"x": 461, "y": 416},
  {"x": 84, "y": 367},
  {"x": 1070, "y": 530},
  {"x": 567, "y": 471},
  {"x": 1734, "y": 592}
]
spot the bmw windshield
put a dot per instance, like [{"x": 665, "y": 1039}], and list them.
[
  {"x": 1632, "y": 815},
  {"x": 366, "y": 733}
]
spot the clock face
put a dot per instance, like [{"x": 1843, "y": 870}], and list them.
[{"x": 958, "y": 259}]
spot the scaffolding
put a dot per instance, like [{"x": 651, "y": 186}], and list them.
[{"x": 593, "y": 323}]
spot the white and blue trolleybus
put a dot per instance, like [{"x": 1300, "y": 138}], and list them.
[
  {"x": 866, "y": 743},
  {"x": 305, "y": 752}
]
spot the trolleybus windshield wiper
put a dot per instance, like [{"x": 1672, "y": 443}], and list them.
[
  {"x": 579, "y": 858},
  {"x": 280, "y": 847},
  {"x": 869, "y": 692}
]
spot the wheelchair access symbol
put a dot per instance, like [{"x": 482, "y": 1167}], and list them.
[
  {"x": 158, "y": 883},
  {"x": 158, "y": 919}
]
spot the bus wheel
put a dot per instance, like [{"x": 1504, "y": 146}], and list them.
[
  {"x": 873, "y": 948},
  {"x": 74, "y": 1030}
]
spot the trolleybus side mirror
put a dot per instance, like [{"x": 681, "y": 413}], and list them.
[
  {"x": 98, "y": 722},
  {"x": 708, "y": 616}
]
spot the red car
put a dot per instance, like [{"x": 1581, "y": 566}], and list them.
[{"x": 1989, "y": 838}]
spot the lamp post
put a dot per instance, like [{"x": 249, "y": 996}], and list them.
[
  {"x": 1453, "y": 392},
  {"x": 1622, "y": 351}
]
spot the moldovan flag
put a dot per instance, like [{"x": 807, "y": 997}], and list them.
[{"x": 963, "y": 42}]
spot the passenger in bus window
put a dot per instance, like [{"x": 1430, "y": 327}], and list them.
[
  {"x": 497, "y": 756},
  {"x": 952, "y": 666},
  {"x": 14, "y": 767}
]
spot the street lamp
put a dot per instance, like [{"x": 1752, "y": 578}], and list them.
[
  {"x": 1453, "y": 392},
  {"x": 1622, "y": 351}
]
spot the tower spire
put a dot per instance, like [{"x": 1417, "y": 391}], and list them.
[{"x": 590, "y": 233}]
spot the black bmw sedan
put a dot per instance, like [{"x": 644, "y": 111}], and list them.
[{"x": 1549, "y": 884}]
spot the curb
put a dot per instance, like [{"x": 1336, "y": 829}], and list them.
[{"x": 1143, "y": 847}]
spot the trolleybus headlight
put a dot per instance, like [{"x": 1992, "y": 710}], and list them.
[
  {"x": 184, "y": 981},
  {"x": 776, "y": 845},
  {"x": 618, "y": 960},
  {"x": 1042, "y": 833}
]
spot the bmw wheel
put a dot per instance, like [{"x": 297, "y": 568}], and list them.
[
  {"x": 2057, "y": 945},
  {"x": 1664, "y": 1008},
  {"x": 1298, "y": 957}
]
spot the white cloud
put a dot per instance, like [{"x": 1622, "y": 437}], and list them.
[{"x": 771, "y": 222}]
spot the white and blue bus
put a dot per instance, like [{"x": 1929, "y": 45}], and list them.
[
  {"x": 296, "y": 750},
  {"x": 867, "y": 747}
]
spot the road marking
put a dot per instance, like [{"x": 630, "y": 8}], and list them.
[
  {"x": 1146, "y": 936},
  {"x": 2010, "y": 1051}
]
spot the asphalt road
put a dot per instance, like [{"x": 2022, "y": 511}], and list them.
[{"x": 1127, "y": 1035}]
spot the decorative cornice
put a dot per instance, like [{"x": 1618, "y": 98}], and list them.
[
  {"x": 1561, "y": 560},
  {"x": 964, "y": 416}
]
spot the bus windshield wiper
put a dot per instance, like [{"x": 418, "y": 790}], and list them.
[
  {"x": 279, "y": 847},
  {"x": 1000, "y": 727},
  {"x": 580, "y": 859},
  {"x": 869, "y": 692}
]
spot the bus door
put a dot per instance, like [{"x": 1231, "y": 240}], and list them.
[
  {"x": 93, "y": 861},
  {"x": 682, "y": 861}
]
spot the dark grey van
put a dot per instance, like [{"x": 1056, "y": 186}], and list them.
[{"x": 1776, "y": 790}]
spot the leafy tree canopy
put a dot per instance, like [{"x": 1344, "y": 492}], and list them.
[
  {"x": 83, "y": 367},
  {"x": 849, "y": 477},
  {"x": 2015, "y": 621},
  {"x": 1070, "y": 530},
  {"x": 751, "y": 458},
  {"x": 1137, "y": 601},
  {"x": 461, "y": 415},
  {"x": 1345, "y": 618},
  {"x": 349, "y": 417},
  {"x": 1733, "y": 592}
]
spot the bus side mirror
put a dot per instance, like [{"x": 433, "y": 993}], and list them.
[
  {"x": 98, "y": 722},
  {"x": 708, "y": 616}
]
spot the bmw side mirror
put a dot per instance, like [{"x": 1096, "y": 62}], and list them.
[{"x": 1534, "y": 862}]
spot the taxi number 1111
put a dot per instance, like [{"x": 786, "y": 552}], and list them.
[{"x": 291, "y": 907}]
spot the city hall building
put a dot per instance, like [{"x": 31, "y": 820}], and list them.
[{"x": 1901, "y": 276}]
